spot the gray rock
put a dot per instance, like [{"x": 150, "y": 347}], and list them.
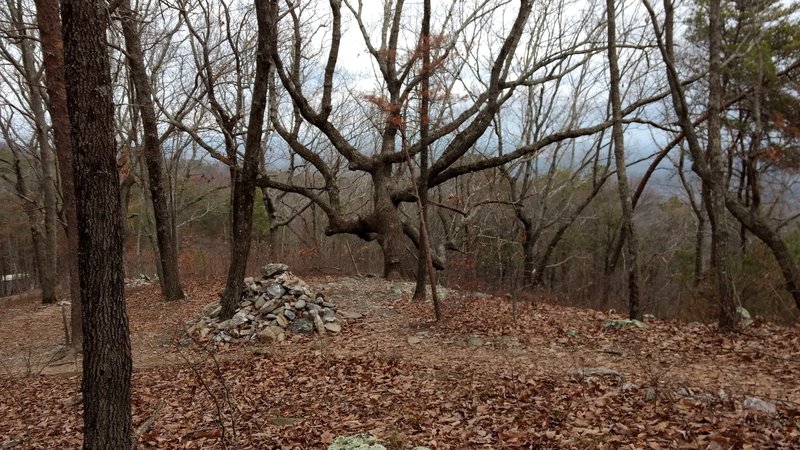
[
  {"x": 262, "y": 300},
  {"x": 328, "y": 315},
  {"x": 756, "y": 404},
  {"x": 271, "y": 270},
  {"x": 289, "y": 314},
  {"x": 313, "y": 309},
  {"x": 278, "y": 331},
  {"x": 300, "y": 304},
  {"x": 294, "y": 284},
  {"x": 328, "y": 304},
  {"x": 267, "y": 335},
  {"x": 270, "y": 316},
  {"x": 275, "y": 291},
  {"x": 357, "y": 442},
  {"x": 476, "y": 341},
  {"x": 617, "y": 324},
  {"x": 215, "y": 312},
  {"x": 282, "y": 322},
  {"x": 414, "y": 340},
  {"x": 210, "y": 307},
  {"x": 270, "y": 306},
  {"x": 222, "y": 337},
  {"x": 249, "y": 281},
  {"x": 225, "y": 325},
  {"x": 333, "y": 327},
  {"x": 197, "y": 327},
  {"x": 650, "y": 394},
  {"x": 350, "y": 314},
  {"x": 185, "y": 343},
  {"x": 301, "y": 326}
]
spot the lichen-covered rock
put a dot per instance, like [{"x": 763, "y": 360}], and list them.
[
  {"x": 301, "y": 326},
  {"x": 756, "y": 404},
  {"x": 328, "y": 315},
  {"x": 475, "y": 341},
  {"x": 357, "y": 442},
  {"x": 275, "y": 290},
  {"x": 617, "y": 324}
]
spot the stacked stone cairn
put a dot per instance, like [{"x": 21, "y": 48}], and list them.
[{"x": 269, "y": 306}]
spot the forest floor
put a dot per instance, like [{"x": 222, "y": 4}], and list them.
[{"x": 552, "y": 378}]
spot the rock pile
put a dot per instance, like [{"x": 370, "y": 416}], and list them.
[{"x": 270, "y": 305}]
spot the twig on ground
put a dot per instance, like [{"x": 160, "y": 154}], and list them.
[{"x": 145, "y": 426}]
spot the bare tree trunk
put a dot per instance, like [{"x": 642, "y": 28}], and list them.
[
  {"x": 699, "y": 244},
  {"x": 700, "y": 214},
  {"x": 424, "y": 250},
  {"x": 708, "y": 166},
  {"x": 49, "y": 23},
  {"x": 167, "y": 247},
  {"x": 36, "y": 98},
  {"x": 107, "y": 362},
  {"x": 245, "y": 182},
  {"x": 628, "y": 228},
  {"x": 31, "y": 212},
  {"x": 528, "y": 256},
  {"x": 385, "y": 221},
  {"x": 721, "y": 238}
]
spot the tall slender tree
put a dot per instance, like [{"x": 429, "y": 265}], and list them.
[
  {"x": 107, "y": 363},
  {"x": 29, "y": 72},
  {"x": 707, "y": 164},
  {"x": 618, "y": 137},
  {"x": 244, "y": 177},
  {"x": 49, "y": 23},
  {"x": 143, "y": 95}
]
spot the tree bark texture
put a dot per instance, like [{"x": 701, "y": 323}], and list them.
[
  {"x": 107, "y": 363},
  {"x": 143, "y": 96},
  {"x": 49, "y": 23}
]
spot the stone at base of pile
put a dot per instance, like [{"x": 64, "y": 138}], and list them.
[{"x": 270, "y": 306}]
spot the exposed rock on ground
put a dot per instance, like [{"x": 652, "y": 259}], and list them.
[{"x": 270, "y": 305}]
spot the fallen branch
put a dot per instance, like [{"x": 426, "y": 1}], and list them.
[{"x": 145, "y": 426}]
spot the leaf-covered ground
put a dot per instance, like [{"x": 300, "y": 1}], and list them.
[{"x": 552, "y": 378}]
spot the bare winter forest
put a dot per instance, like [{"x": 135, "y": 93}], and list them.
[{"x": 439, "y": 224}]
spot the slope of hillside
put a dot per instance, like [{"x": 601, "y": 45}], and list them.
[{"x": 552, "y": 378}]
